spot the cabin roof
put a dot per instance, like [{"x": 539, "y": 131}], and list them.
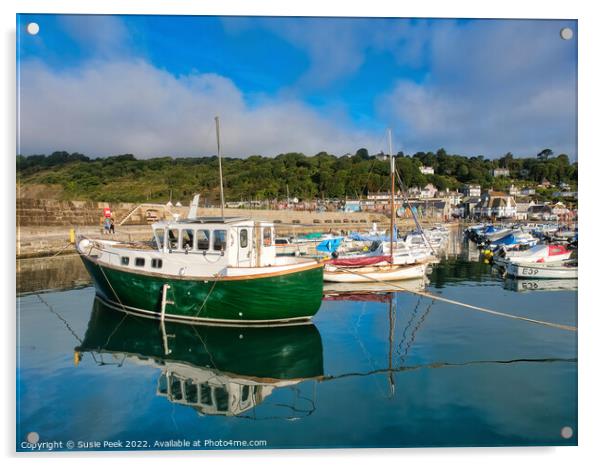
[
  {"x": 204, "y": 221},
  {"x": 214, "y": 220}
]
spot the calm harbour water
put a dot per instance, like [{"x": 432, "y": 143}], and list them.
[{"x": 373, "y": 370}]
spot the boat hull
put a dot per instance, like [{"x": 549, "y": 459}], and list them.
[
  {"x": 374, "y": 274},
  {"x": 540, "y": 271},
  {"x": 263, "y": 299}
]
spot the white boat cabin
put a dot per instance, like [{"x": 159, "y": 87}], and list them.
[
  {"x": 200, "y": 247},
  {"x": 231, "y": 242}
]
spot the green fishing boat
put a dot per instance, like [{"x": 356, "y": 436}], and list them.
[
  {"x": 217, "y": 370},
  {"x": 212, "y": 270}
]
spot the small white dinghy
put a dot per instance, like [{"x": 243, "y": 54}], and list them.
[
  {"x": 363, "y": 274},
  {"x": 567, "y": 269}
]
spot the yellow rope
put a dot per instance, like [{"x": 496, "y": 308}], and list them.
[{"x": 469, "y": 306}]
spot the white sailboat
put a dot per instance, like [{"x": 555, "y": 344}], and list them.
[{"x": 388, "y": 266}]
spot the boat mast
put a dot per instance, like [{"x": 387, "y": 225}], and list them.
[
  {"x": 219, "y": 159},
  {"x": 392, "y": 192}
]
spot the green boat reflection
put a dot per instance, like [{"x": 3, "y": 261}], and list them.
[{"x": 216, "y": 370}]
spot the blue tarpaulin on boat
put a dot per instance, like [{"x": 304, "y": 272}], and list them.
[
  {"x": 329, "y": 245},
  {"x": 509, "y": 239},
  {"x": 355, "y": 236}
]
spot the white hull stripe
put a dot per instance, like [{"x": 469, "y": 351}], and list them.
[{"x": 202, "y": 320}]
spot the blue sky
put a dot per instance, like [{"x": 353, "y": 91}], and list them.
[{"x": 151, "y": 85}]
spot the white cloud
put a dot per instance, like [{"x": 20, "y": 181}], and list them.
[
  {"x": 114, "y": 107},
  {"x": 493, "y": 87},
  {"x": 99, "y": 35}
]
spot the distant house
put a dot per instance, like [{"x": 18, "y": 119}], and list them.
[
  {"x": 436, "y": 208},
  {"x": 382, "y": 196},
  {"x": 382, "y": 156},
  {"x": 414, "y": 192},
  {"x": 522, "y": 210},
  {"x": 469, "y": 205},
  {"x": 428, "y": 192},
  {"x": 545, "y": 184},
  {"x": 527, "y": 192},
  {"x": 500, "y": 172},
  {"x": 559, "y": 209},
  {"x": 471, "y": 190},
  {"x": 513, "y": 190},
  {"x": 539, "y": 212},
  {"x": 454, "y": 197},
  {"x": 427, "y": 170},
  {"x": 497, "y": 205},
  {"x": 352, "y": 206}
]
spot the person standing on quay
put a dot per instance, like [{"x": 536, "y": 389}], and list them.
[
  {"x": 112, "y": 226},
  {"x": 107, "y": 225}
]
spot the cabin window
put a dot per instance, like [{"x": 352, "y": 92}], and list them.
[
  {"x": 244, "y": 238},
  {"x": 140, "y": 261},
  {"x": 281, "y": 241},
  {"x": 187, "y": 239},
  {"x": 219, "y": 240},
  {"x": 190, "y": 391},
  {"x": 162, "y": 384},
  {"x": 125, "y": 261},
  {"x": 173, "y": 238},
  {"x": 160, "y": 237},
  {"x": 221, "y": 399},
  {"x": 202, "y": 240},
  {"x": 176, "y": 389},
  {"x": 206, "y": 394},
  {"x": 267, "y": 236},
  {"x": 156, "y": 263},
  {"x": 245, "y": 392}
]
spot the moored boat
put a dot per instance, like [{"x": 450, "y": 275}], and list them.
[
  {"x": 338, "y": 291},
  {"x": 537, "y": 254},
  {"x": 380, "y": 271},
  {"x": 218, "y": 270},
  {"x": 565, "y": 269},
  {"x": 381, "y": 264}
]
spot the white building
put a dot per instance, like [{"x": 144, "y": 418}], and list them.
[
  {"x": 427, "y": 170},
  {"x": 428, "y": 192},
  {"x": 471, "y": 190},
  {"x": 501, "y": 172},
  {"x": 454, "y": 197},
  {"x": 496, "y": 204},
  {"x": 527, "y": 192}
]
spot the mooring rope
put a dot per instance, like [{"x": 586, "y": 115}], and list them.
[
  {"x": 218, "y": 277},
  {"x": 61, "y": 318},
  {"x": 441, "y": 365},
  {"x": 468, "y": 306},
  {"x": 57, "y": 253}
]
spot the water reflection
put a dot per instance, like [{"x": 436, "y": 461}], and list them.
[
  {"x": 57, "y": 273},
  {"x": 215, "y": 370},
  {"x": 522, "y": 285}
]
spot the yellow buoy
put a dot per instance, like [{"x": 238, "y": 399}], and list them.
[{"x": 72, "y": 235}]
